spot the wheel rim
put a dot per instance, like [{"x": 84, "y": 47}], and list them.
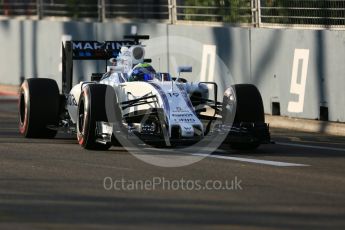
[
  {"x": 22, "y": 107},
  {"x": 81, "y": 117}
]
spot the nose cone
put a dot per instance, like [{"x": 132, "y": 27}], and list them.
[{"x": 187, "y": 130}]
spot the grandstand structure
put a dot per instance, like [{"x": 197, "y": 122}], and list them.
[{"x": 253, "y": 13}]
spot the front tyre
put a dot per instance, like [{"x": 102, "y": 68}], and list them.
[
  {"x": 91, "y": 108},
  {"x": 249, "y": 129},
  {"x": 38, "y": 107}
]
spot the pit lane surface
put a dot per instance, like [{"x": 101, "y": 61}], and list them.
[{"x": 296, "y": 183}]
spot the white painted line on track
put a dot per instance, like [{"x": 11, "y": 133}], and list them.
[
  {"x": 242, "y": 159},
  {"x": 104, "y": 166},
  {"x": 311, "y": 146},
  {"x": 256, "y": 161}
]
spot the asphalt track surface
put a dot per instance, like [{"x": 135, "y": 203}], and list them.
[{"x": 297, "y": 183}]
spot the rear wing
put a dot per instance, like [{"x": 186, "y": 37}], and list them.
[{"x": 91, "y": 50}]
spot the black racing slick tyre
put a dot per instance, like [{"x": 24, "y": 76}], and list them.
[
  {"x": 38, "y": 107},
  {"x": 249, "y": 110},
  {"x": 249, "y": 105},
  {"x": 91, "y": 109}
]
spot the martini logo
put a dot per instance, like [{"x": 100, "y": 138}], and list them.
[{"x": 94, "y": 45}]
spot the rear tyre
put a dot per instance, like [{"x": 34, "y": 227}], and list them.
[
  {"x": 38, "y": 108},
  {"x": 249, "y": 109},
  {"x": 91, "y": 108}
]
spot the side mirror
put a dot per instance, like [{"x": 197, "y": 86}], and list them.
[{"x": 184, "y": 69}]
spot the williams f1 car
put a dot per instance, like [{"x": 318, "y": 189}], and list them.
[{"x": 131, "y": 99}]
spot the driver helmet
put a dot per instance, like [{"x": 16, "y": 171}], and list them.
[{"x": 142, "y": 72}]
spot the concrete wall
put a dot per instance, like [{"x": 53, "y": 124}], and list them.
[
  {"x": 273, "y": 53},
  {"x": 265, "y": 57}
]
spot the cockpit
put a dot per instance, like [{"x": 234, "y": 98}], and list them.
[
  {"x": 145, "y": 72},
  {"x": 140, "y": 72}
]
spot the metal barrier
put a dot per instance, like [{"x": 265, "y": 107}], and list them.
[
  {"x": 136, "y": 10},
  {"x": 258, "y": 13},
  {"x": 71, "y": 9},
  {"x": 18, "y": 8},
  {"x": 327, "y": 13},
  {"x": 215, "y": 11}
]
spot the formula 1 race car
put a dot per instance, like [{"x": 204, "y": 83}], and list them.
[{"x": 132, "y": 99}]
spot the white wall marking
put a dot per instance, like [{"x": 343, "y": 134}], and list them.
[
  {"x": 208, "y": 61},
  {"x": 64, "y": 38},
  {"x": 298, "y": 88}
]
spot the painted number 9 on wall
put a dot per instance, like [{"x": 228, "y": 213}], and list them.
[{"x": 298, "y": 85}]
